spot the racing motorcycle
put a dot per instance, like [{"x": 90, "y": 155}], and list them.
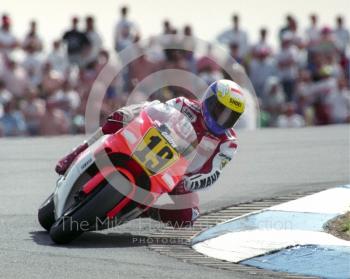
[{"x": 121, "y": 175}]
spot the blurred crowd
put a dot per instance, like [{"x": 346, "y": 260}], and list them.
[{"x": 304, "y": 81}]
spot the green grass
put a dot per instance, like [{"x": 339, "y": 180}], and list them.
[
  {"x": 340, "y": 226},
  {"x": 345, "y": 226}
]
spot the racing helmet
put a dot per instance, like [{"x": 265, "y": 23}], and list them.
[{"x": 222, "y": 105}]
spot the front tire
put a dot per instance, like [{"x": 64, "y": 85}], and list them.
[
  {"x": 65, "y": 230},
  {"x": 46, "y": 213},
  {"x": 84, "y": 216}
]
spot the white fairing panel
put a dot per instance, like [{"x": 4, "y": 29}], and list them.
[{"x": 66, "y": 182}]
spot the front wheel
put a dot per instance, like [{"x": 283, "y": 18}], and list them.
[
  {"x": 88, "y": 215},
  {"x": 46, "y": 213},
  {"x": 65, "y": 230}
]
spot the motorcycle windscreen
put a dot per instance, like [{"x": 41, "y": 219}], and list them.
[{"x": 171, "y": 136}]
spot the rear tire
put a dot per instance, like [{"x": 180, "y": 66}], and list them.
[{"x": 46, "y": 213}]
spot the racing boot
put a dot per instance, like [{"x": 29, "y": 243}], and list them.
[{"x": 67, "y": 160}]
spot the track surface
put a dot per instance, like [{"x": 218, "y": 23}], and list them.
[{"x": 269, "y": 163}]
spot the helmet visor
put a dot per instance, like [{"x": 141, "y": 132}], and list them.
[{"x": 222, "y": 115}]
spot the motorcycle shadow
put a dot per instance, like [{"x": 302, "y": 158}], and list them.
[{"x": 94, "y": 240}]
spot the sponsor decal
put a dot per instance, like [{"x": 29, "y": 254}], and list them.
[
  {"x": 84, "y": 165},
  {"x": 204, "y": 182},
  {"x": 222, "y": 155},
  {"x": 224, "y": 160},
  {"x": 189, "y": 114},
  {"x": 235, "y": 102},
  {"x": 223, "y": 163}
]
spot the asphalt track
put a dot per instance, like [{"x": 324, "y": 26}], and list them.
[{"x": 270, "y": 162}]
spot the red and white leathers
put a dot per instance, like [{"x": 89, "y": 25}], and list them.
[{"x": 213, "y": 153}]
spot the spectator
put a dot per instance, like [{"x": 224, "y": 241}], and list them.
[
  {"x": 260, "y": 69},
  {"x": 8, "y": 41},
  {"x": 77, "y": 44},
  {"x": 303, "y": 88},
  {"x": 287, "y": 62},
  {"x": 125, "y": 32},
  {"x": 140, "y": 69},
  {"x": 57, "y": 59},
  {"x": 15, "y": 77},
  {"x": 325, "y": 86},
  {"x": 33, "y": 65},
  {"x": 262, "y": 43},
  {"x": 12, "y": 120},
  {"x": 235, "y": 54},
  {"x": 167, "y": 29},
  {"x": 327, "y": 44},
  {"x": 313, "y": 31},
  {"x": 188, "y": 40},
  {"x": 32, "y": 41},
  {"x": 102, "y": 60},
  {"x": 339, "y": 103},
  {"x": 67, "y": 99},
  {"x": 175, "y": 60},
  {"x": 274, "y": 99},
  {"x": 207, "y": 68},
  {"x": 174, "y": 40},
  {"x": 33, "y": 109},
  {"x": 189, "y": 46},
  {"x": 94, "y": 39},
  {"x": 342, "y": 35},
  {"x": 54, "y": 122},
  {"x": 235, "y": 35},
  {"x": 292, "y": 29},
  {"x": 88, "y": 75},
  {"x": 290, "y": 118},
  {"x": 290, "y": 21},
  {"x": 332, "y": 62},
  {"x": 154, "y": 50},
  {"x": 5, "y": 95},
  {"x": 52, "y": 80}
]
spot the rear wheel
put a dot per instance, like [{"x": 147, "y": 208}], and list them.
[{"x": 46, "y": 214}]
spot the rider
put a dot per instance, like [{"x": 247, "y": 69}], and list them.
[{"x": 212, "y": 118}]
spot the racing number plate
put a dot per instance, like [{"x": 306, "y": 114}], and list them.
[{"x": 154, "y": 153}]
